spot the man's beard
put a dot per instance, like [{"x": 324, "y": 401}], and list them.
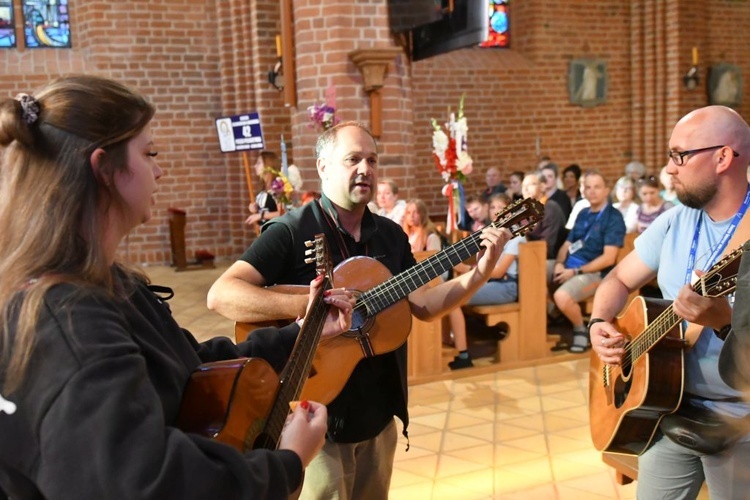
[{"x": 698, "y": 198}]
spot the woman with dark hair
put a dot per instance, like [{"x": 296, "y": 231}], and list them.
[
  {"x": 92, "y": 365},
  {"x": 571, "y": 178}
]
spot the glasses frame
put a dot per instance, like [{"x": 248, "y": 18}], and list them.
[{"x": 678, "y": 157}]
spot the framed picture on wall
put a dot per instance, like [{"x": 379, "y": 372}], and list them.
[
  {"x": 724, "y": 85},
  {"x": 587, "y": 82}
]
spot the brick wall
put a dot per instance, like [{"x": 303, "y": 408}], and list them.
[{"x": 198, "y": 60}]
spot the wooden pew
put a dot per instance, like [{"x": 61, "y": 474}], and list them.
[
  {"x": 527, "y": 318},
  {"x": 425, "y": 342}
]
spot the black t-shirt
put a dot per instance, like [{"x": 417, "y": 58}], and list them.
[{"x": 376, "y": 390}]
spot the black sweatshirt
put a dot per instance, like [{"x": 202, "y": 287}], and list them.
[{"x": 95, "y": 416}]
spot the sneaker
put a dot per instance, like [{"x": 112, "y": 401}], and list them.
[{"x": 459, "y": 363}]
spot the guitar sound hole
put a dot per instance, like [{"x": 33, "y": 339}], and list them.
[{"x": 361, "y": 322}]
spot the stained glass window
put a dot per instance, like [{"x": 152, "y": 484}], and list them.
[
  {"x": 7, "y": 31},
  {"x": 46, "y": 23},
  {"x": 498, "y": 20}
]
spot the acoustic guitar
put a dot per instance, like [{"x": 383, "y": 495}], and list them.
[
  {"x": 627, "y": 402},
  {"x": 243, "y": 402},
  {"x": 381, "y": 319}
]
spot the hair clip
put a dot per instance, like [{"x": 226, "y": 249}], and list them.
[{"x": 30, "y": 107}]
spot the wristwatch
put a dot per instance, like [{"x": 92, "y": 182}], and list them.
[
  {"x": 723, "y": 331},
  {"x": 592, "y": 321}
]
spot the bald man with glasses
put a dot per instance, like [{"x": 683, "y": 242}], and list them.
[{"x": 709, "y": 150}]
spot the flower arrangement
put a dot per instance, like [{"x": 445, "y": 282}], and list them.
[
  {"x": 449, "y": 150},
  {"x": 450, "y": 147},
  {"x": 322, "y": 116},
  {"x": 281, "y": 188}
]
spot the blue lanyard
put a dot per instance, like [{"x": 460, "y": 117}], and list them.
[
  {"x": 722, "y": 243},
  {"x": 591, "y": 226}
]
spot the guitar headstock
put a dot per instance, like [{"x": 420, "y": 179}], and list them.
[
  {"x": 520, "y": 217},
  {"x": 321, "y": 258},
  {"x": 721, "y": 279}
]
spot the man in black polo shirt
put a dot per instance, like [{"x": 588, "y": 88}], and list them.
[{"x": 357, "y": 459}]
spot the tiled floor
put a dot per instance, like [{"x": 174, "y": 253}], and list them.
[{"x": 519, "y": 433}]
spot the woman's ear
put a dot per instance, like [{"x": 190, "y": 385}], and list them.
[{"x": 97, "y": 165}]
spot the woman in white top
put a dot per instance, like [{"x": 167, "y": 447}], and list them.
[
  {"x": 626, "y": 204},
  {"x": 388, "y": 203}
]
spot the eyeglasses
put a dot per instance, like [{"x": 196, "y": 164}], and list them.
[{"x": 678, "y": 157}]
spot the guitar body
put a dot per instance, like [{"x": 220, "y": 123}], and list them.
[
  {"x": 336, "y": 358},
  {"x": 381, "y": 319},
  {"x": 229, "y": 401},
  {"x": 627, "y": 402}
]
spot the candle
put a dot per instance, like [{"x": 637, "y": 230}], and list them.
[
  {"x": 278, "y": 45},
  {"x": 695, "y": 56}
]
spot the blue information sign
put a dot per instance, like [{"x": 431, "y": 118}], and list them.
[{"x": 239, "y": 132}]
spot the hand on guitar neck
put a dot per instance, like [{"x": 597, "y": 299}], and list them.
[{"x": 339, "y": 317}]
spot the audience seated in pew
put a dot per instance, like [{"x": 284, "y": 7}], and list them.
[
  {"x": 552, "y": 226},
  {"x": 423, "y": 235},
  {"x": 502, "y": 286},
  {"x": 589, "y": 252}
]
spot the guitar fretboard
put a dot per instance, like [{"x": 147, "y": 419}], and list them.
[
  {"x": 518, "y": 218},
  {"x": 298, "y": 368},
  {"x": 398, "y": 287},
  {"x": 720, "y": 280}
]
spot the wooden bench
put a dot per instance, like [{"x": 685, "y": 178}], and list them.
[
  {"x": 626, "y": 466},
  {"x": 425, "y": 342},
  {"x": 526, "y": 319}
]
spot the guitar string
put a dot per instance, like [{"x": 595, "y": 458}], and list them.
[
  {"x": 291, "y": 387},
  {"x": 668, "y": 319},
  {"x": 383, "y": 294}
]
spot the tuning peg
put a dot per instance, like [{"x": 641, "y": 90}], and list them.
[
  {"x": 309, "y": 243},
  {"x": 309, "y": 260}
]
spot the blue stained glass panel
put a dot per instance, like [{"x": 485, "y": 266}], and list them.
[
  {"x": 499, "y": 25},
  {"x": 46, "y": 23},
  {"x": 7, "y": 31}
]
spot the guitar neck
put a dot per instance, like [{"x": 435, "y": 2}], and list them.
[
  {"x": 656, "y": 331},
  {"x": 518, "y": 218},
  {"x": 297, "y": 369},
  {"x": 720, "y": 280},
  {"x": 400, "y": 286}
]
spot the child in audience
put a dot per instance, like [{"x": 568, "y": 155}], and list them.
[
  {"x": 626, "y": 204},
  {"x": 502, "y": 287},
  {"x": 478, "y": 210},
  {"x": 424, "y": 236},
  {"x": 652, "y": 204}
]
